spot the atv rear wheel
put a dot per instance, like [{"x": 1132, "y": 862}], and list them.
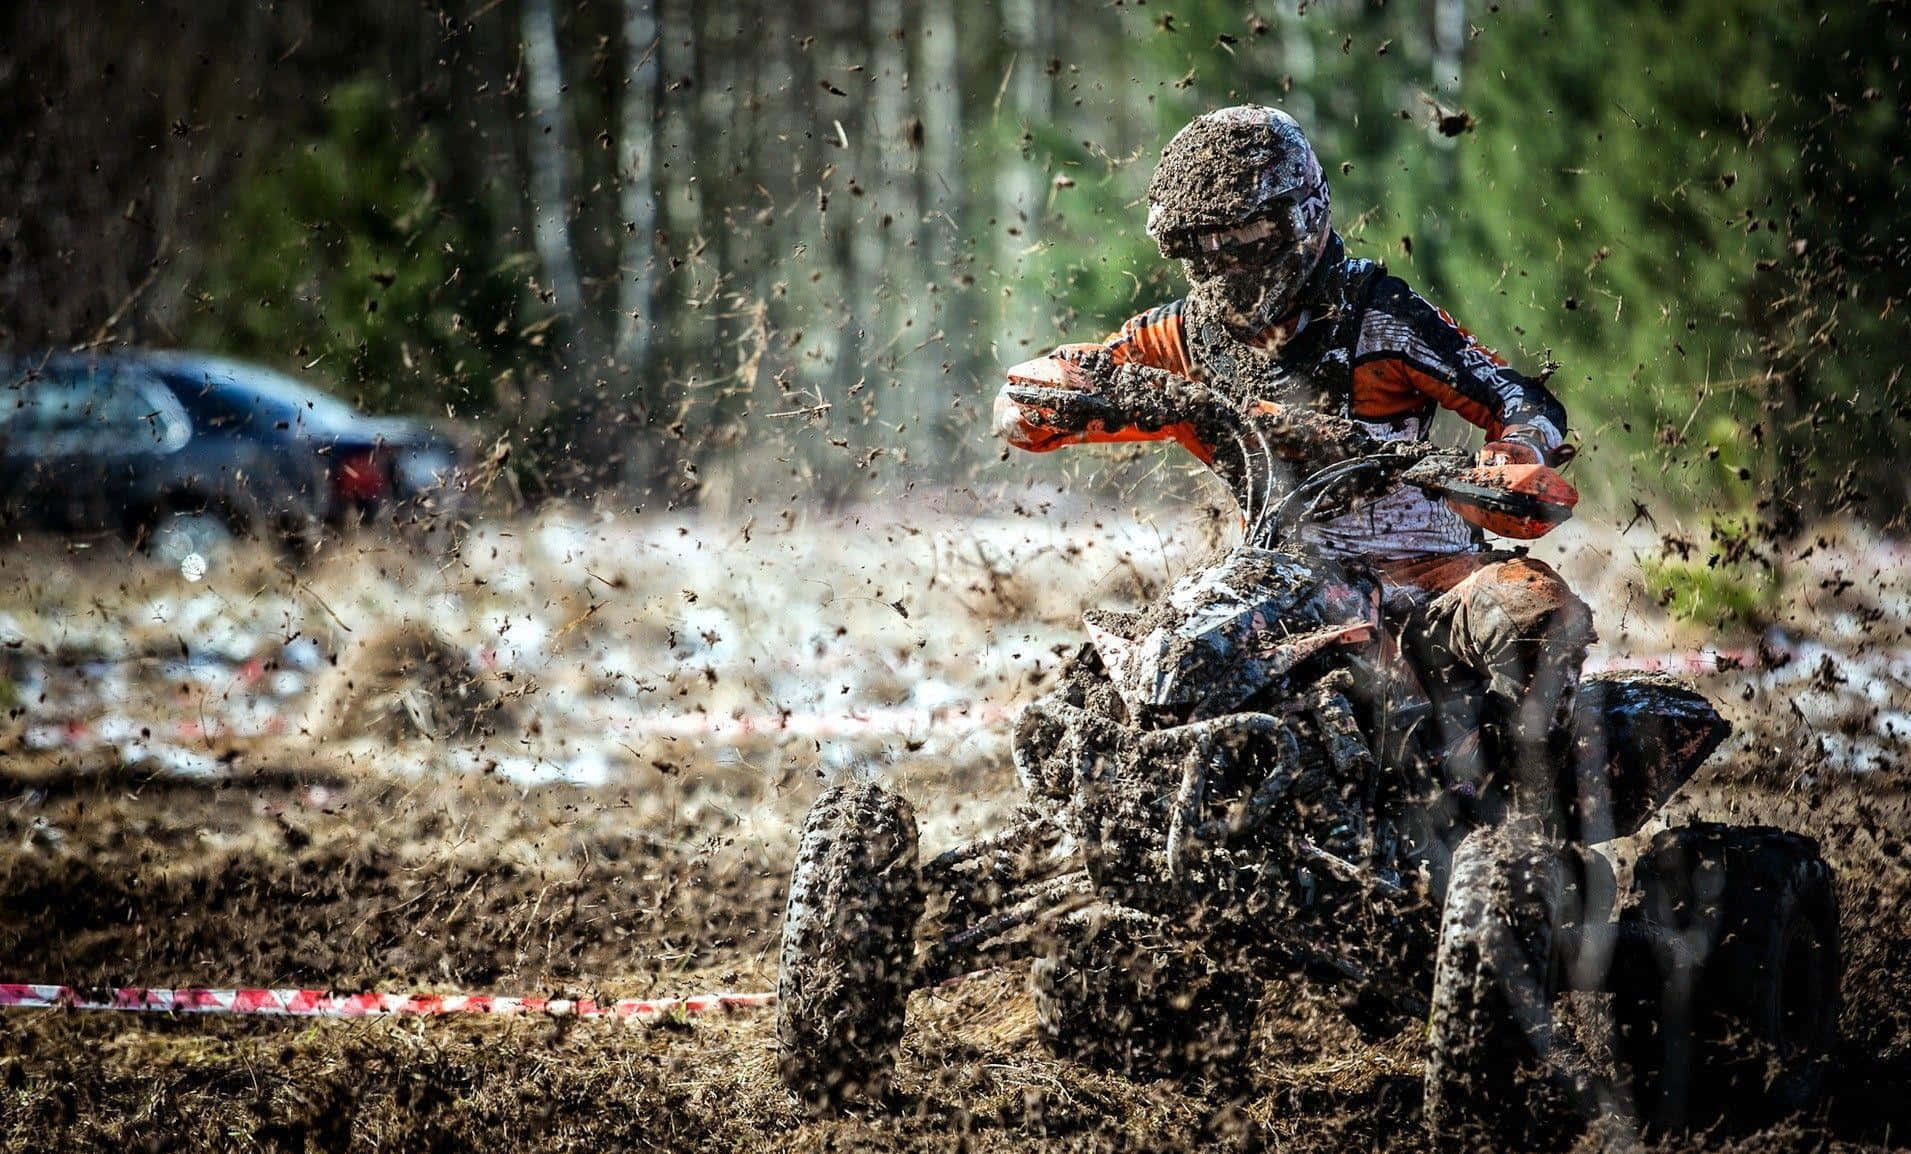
[
  {"x": 1730, "y": 1002},
  {"x": 848, "y": 945},
  {"x": 1119, "y": 990},
  {"x": 1491, "y": 1027}
]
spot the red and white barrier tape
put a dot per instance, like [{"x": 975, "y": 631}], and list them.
[
  {"x": 321, "y": 1004},
  {"x": 1691, "y": 664},
  {"x": 875, "y": 720}
]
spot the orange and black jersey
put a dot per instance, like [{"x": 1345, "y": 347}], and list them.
[
  {"x": 1365, "y": 346},
  {"x": 1407, "y": 358}
]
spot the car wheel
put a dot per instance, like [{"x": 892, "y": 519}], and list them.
[{"x": 180, "y": 536}]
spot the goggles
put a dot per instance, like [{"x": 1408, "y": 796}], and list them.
[{"x": 1254, "y": 242}]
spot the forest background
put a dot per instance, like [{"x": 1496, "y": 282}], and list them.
[{"x": 677, "y": 253}]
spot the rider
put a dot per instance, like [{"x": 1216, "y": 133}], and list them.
[{"x": 1277, "y": 311}]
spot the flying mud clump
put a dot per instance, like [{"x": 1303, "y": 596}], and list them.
[{"x": 407, "y": 682}]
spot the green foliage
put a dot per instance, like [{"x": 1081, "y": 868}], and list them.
[
  {"x": 1639, "y": 201},
  {"x": 1712, "y": 594},
  {"x": 341, "y": 255},
  {"x": 1734, "y": 586}
]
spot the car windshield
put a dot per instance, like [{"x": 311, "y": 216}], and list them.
[
  {"x": 69, "y": 406},
  {"x": 271, "y": 395}
]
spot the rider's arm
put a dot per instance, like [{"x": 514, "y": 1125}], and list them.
[
  {"x": 1155, "y": 339},
  {"x": 1410, "y": 351}
]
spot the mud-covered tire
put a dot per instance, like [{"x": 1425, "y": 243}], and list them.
[
  {"x": 848, "y": 945},
  {"x": 1119, "y": 990},
  {"x": 1488, "y": 1078},
  {"x": 1728, "y": 1008}
]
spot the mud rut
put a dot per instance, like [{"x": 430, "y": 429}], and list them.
[{"x": 288, "y": 876}]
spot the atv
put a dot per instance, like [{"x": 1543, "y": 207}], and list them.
[{"x": 1251, "y": 780}]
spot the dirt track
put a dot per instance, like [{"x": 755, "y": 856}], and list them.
[
  {"x": 306, "y": 869},
  {"x": 480, "y": 885}
]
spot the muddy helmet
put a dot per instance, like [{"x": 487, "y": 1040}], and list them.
[{"x": 1240, "y": 199}]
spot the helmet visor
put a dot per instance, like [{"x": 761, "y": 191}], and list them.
[{"x": 1258, "y": 242}]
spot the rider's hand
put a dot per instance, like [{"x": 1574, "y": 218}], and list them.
[
  {"x": 1060, "y": 410},
  {"x": 1510, "y": 453}
]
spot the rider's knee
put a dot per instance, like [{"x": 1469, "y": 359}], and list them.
[{"x": 1523, "y": 601}]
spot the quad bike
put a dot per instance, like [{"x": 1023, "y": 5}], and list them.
[{"x": 1249, "y": 779}]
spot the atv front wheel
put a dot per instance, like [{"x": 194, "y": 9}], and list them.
[
  {"x": 848, "y": 945},
  {"x": 1729, "y": 1003},
  {"x": 1118, "y": 990},
  {"x": 1491, "y": 1028}
]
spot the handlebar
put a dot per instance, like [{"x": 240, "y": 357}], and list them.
[
  {"x": 1151, "y": 400},
  {"x": 1346, "y": 465}
]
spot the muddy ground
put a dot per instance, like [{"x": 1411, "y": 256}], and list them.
[{"x": 293, "y": 866}]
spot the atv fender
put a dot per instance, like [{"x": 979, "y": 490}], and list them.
[{"x": 1637, "y": 737}]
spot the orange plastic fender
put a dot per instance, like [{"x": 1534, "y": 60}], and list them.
[{"x": 1523, "y": 502}]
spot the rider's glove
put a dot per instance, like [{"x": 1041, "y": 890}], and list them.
[
  {"x": 1516, "y": 446},
  {"x": 1060, "y": 410}
]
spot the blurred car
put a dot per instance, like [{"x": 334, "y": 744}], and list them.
[{"x": 182, "y": 451}]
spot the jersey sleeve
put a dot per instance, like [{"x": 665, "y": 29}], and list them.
[
  {"x": 1155, "y": 339},
  {"x": 1410, "y": 352}
]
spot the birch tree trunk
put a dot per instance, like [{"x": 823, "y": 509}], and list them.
[
  {"x": 1020, "y": 206},
  {"x": 896, "y": 317},
  {"x": 944, "y": 224},
  {"x": 1019, "y": 190},
  {"x": 637, "y": 196},
  {"x": 681, "y": 205},
  {"x": 859, "y": 246},
  {"x": 1449, "y": 46},
  {"x": 550, "y": 229}
]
